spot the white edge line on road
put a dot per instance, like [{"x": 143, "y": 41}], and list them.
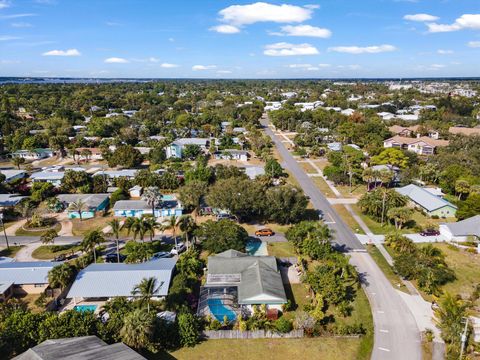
[
  {"x": 384, "y": 331},
  {"x": 383, "y": 349},
  {"x": 380, "y": 311}
]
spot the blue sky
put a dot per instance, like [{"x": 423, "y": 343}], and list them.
[{"x": 240, "y": 39}]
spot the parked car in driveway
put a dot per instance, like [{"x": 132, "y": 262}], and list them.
[
  {"x": 161, "y": 255},
  {"x": 430, "y": 232},
  {"x": 178, "y": 249},
  {"x": 264, "y": 232}
]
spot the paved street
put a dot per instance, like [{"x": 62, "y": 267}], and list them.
[{"x": 396, "y": 333}]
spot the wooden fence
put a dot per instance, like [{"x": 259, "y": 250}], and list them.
[{"x": 253, "y": 334}]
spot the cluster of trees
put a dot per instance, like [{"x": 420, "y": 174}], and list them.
[
  {"x": 425, "y": 264},
  {"x": 382, "y": 203}
]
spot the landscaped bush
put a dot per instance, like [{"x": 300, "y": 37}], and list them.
[{"x": 283, "y": 325}]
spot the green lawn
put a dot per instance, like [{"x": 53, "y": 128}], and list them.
[
  {"x": 307, "y": 167},
  {"x": 281, "y": 249},
  {"x": 386, "y": 268},
  {"x": 357, "y": 190},
  {"x": 24, "y": 232},
  {"x": 323, "y": 186},
  {"x": 348, "y": 218},
  {"x": 10, "y": 252},
  {"x": 48, "y": 252}
]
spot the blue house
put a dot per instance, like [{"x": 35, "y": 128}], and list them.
[
  {"x": 94, "y": 203},
  {"x": 169, "y": 206}
]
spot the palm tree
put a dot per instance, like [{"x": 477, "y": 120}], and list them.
[
  {"x": 152, "y": 196},
  {"x": 150, "y": 225},
  {"x": 79, "y": 207},
  {"x": 91, "y": 240},
  {"x": 115, "y": 228},
  {"x": 146, "y": 290},
  {"x": 135, "y": 226},
  {"x": 172, "y": 225},
  {"x": 49, "y": 236},
  {"x": 368, "y": 176},
  {"x": 17, "y": 161},
  {"x": 25, "y": 208},
  {"x": 187, "y": 225},
  {"x": 60, "y": 276},
  {"x": 137, "y": 329}
]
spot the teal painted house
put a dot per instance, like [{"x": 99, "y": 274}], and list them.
[{"x": 94, "y": 203}]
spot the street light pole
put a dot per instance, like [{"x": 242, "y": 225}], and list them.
[{"x": 4, "y": 231}]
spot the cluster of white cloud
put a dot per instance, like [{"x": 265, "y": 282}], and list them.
[
  {"x": 421, "y": 17},
  {"x": 236, "y": 16},
  {"x": 473, "y": 44},
  {"x": 69, "y": 52},
  {"x": 444, "y": 52},
  {"x": 374, "y": 49},
  {"x": 116, "y": 60},
  {"x": 466, "y": 21},
  {"x": 308, "y": 67},
  {"x": 203, "y": 67},
  {"x": 286, "y": 49}
]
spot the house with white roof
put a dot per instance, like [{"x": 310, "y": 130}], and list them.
[
  {"x": 431, "y": 204},
  {"x": 461, "y": 230},
  {"x": 237, "y": 281},
  {"x": 12, "y": 174},
  {"x": 10, "y": 200},
  {"x": 169, "y": 206},
  {"x": 231, "y": 154},
  {"x": 254, "y": 171},
  {"x": 35, "y": 154},
  {"x": 175, "y": 149},
  {"x": 113, "y": 174},
  {"x": 26, "y": 277},
  {"x": 111, "y": 280}
]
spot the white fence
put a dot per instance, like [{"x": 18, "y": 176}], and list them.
[{"x": 253, "y": 334}]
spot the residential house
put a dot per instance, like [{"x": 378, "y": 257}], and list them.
[
  {"x": 461, "y": 230},
  {"x": 431, "y": 204},
  {"x": 254, "y": 171},
  {"x": 111, "y": 280},
  {"x": 113, "y": 174},
  {"x": 334, "y": 146},
  {"x": 169, "y": 206},
  {"x": 95, "y": 153},
  {"x": 237, "y": 281},
  {"x": 94, "y": 204},
  {"x": 10, "y": 200},
  {"x": 405, "y": 131},
  {"x": 175, "y": 149},
  {"x": 422, "y": 145},
  {"x": 457, "y": 130},
  {"x": 387, "y": 167},
  {"x": 53, "y": 177},
  {"x": 6, "y": 291},
  {"x": 136, "y": 191},
  {"x": 26, "y": 277},
  {"x": 231, "y": 154},
  {"x": 35, "y": 154},
  {"x": 84, "y": 347},
  {"x": 12, "y": 175}
]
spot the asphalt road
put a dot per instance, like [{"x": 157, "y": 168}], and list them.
[{"x": 396, "y": 334}]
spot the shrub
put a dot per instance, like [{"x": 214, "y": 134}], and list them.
[{"x": 283, "y": 325}]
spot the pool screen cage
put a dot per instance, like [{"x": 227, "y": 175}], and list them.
[{"x": 228, "y": 295}]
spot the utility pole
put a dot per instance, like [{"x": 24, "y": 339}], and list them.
[
  {"x": 464, "y": 338},
  {"x": 4, "y": 231}
]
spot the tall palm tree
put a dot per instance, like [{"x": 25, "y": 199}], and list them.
[
  {"x": 49, "y": 236},
  {"x": 187, "y": 225},
  {"x": 60, "y": 276},
  {"x": 137, "y": 329},
  {"x": 91, "y": 240},
  {"x": 150, "y": 225},
  {"x": 152, "y": 196},
  {"x": 146, "y": 290},
  {"x": 78, "y": 206},
  {"x": 172, "y": 225},
  {"x": 115, "y": 228},
  {"x": 135, "y": 226}
]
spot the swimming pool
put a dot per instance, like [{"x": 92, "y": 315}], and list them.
[
  {"x": 256, "y": 248},
  {"x": 84, "y": 308},
  {"x": 219, "y": 310}
]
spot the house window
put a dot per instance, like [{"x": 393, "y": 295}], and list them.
[{"x": 38, "y": 285}]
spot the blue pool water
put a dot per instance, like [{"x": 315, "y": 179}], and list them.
[
  {"x": 84, "y": 308},
  {"x": 219, "y": 310},
  {"x": 256, "y": 248}
]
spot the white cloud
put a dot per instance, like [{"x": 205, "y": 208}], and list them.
[
  {"x": 324, "y": 65},
  {"x": 286, "y": 49},
  {"x": 304, "y": 30},
  {"x": 203, "y": 67},
  {"x": 263, "y": 12},
  {"x": 299, "y": 66},
  {"x": 466, "y": 21},
  {"x": 4, "y": 4},
  {"x": 115, "y": 60},
  {"x": 69, "y": 52},
  {"x": 225, "y": 29},
  {"x": 444, "y": 52},
  {"x": 171, "y": 39},
  {"x": 421, "y": 17},
  {"x": 437, "y": 66},
  {"x": 473, "y": 44},
  {"x": 16, "y": 16},
  {"x": 21, "y": 25},
  {"x": 168, "y": 65},
  {"x": 312, "y": 6},
  {"x": 363, "y": 50},
  {"x": 224, "y": 72},
  {"x": 8, "y": 38}
]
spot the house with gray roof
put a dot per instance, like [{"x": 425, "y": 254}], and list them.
[
  {"x": 29, "y": 277},
  {"x": 461, "y": 230},
  {"x": 79, "y": 348},
  {"x": 237, "y": 281},
  {"x": 110, "y": 280},
  {"x": 175, "y": 149},
  {"x": 13, "y": 174},
  {"x": 169, "y": 206},
  {"x": 93, "y": 203},
  {"x": 431, "y": 204},
  {"x": 112, "y": 174},
  {"x": 10, "y": 200}
]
